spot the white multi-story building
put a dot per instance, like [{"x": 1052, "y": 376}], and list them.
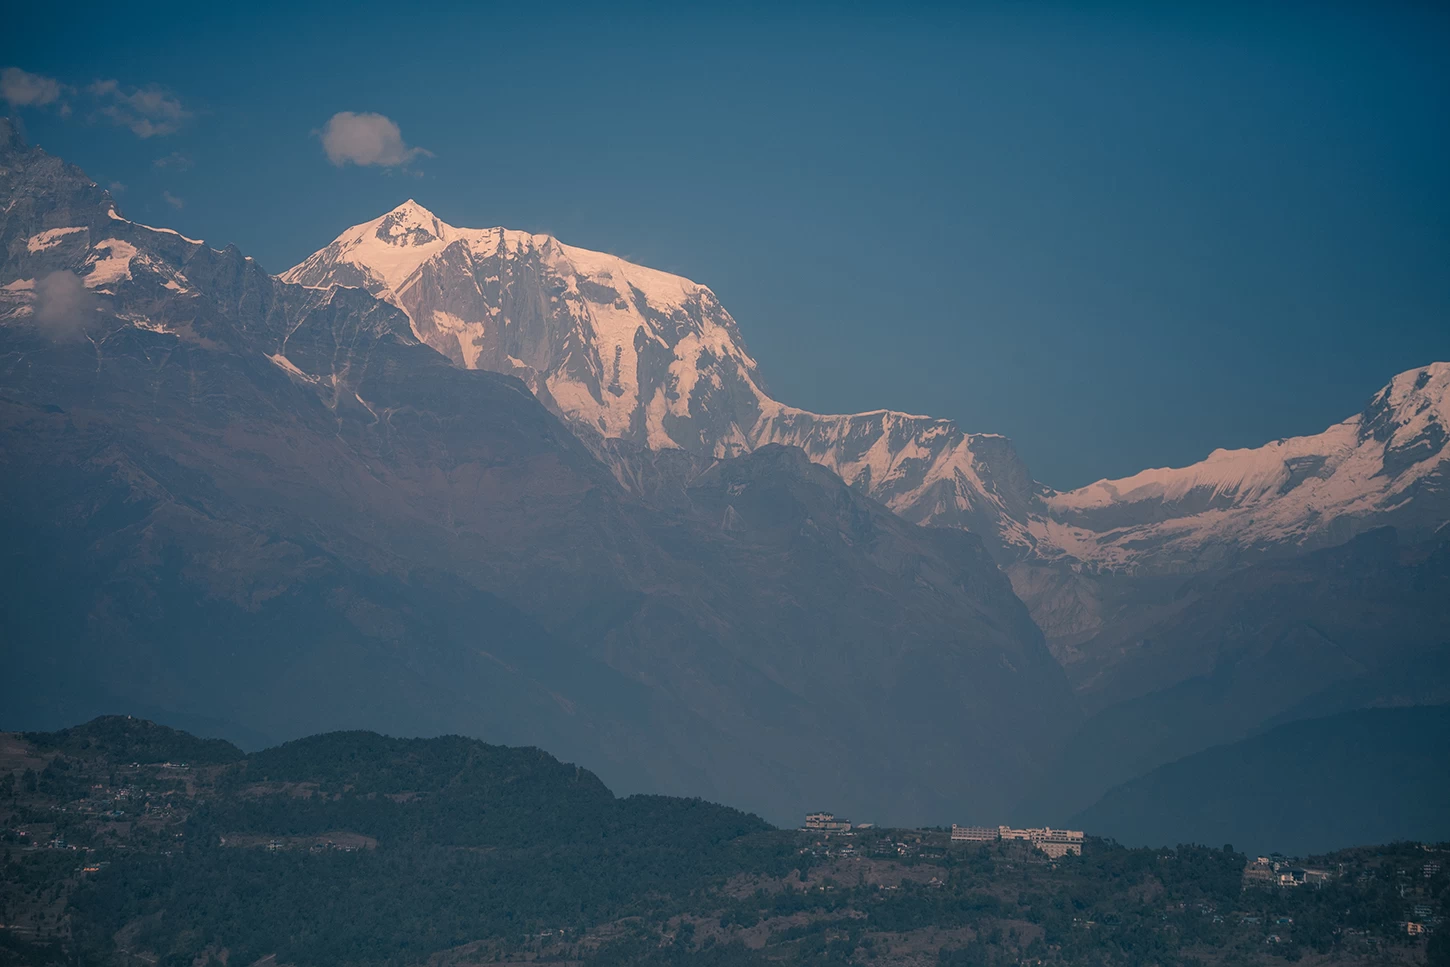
[
  {"x": 1058, "y": 842},
  {"x": 826, "y": 823},
  {"x": 1053, "y": 842}
]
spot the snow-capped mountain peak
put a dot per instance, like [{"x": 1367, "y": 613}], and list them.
[
  {"x": 388, "y": 249},
  {"x": 1387, "y": 464},
  {"x": 650, "y": 357},
  {"x": 1410, "y": 416},
  {"x": 411, "y": 224},
  {"x": 616, "y": 346}
]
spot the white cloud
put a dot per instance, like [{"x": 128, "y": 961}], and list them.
[
  {"x": 62, "y": 305},
  {"x": 366, "y": 139},
  {"x": 172, "y": 200},
  {"x": 24, "y": 89},
  {"x": 147, "y": 111}
]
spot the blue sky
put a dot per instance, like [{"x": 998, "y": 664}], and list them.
[{"x": 1121, "y": 236}]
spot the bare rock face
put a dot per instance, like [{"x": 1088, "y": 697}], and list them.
[{"x": 262, "y": 509}]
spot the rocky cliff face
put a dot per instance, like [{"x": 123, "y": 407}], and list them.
[{"x": 268, "y": 510}]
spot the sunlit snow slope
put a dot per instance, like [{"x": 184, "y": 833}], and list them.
[{"x": 1386, "y": 464}]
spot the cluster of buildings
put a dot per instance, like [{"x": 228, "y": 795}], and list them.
[
  {"x": 1054, "y": 842},
  {"x": 826, "y": 823},
  {"x": 277, "y": 846},
  {"x": 1265, "y": 872},
  {"x": 831, "y": 823},
  {"x": 1422, "y": 917},
  {"x": 1423, "y": 920}
]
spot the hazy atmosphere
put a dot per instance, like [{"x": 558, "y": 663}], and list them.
[{"x": 740, "y": 486}]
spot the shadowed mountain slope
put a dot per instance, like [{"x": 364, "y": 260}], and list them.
[
  {"x": 1373, "y": 775},
  {"x": 1360, "y": 625},
  {"x": 268, "y": 507}
]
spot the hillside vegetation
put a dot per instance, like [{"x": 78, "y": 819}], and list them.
[{"x": 127, "y": 843}]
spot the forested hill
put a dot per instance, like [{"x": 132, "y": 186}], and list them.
[
  {"x": 126, "y": 843},
  {"x": 121, "y": 739}
]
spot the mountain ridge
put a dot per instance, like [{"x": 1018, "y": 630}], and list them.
[
  {"x": 627, "y": 353},
  {"x": 654, "y": 359},
  {"x": 1361, "y": 468}
]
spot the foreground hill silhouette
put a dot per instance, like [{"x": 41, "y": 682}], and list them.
[{"x": 352, "y": 848}]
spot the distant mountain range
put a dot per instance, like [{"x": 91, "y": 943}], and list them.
[
  {"x": 635, "y": 354},
  {"x": 265, "y": 510},
  {"x": 451, "y": 480},
  {"x": 1136, "y": 582},
  {"x": 1300, "y": 789}
]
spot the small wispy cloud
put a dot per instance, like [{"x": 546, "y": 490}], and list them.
[
  {"x": 147, "y": 111},
  {"x": 62, "y": 305},
  {"x": 20, "y": 88},
  {"x": 367, "y": 139},
  {"x": 172, "y": 200},
  {"x": 116, "y": 187},
  {"x": 175, "y": 161}
]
